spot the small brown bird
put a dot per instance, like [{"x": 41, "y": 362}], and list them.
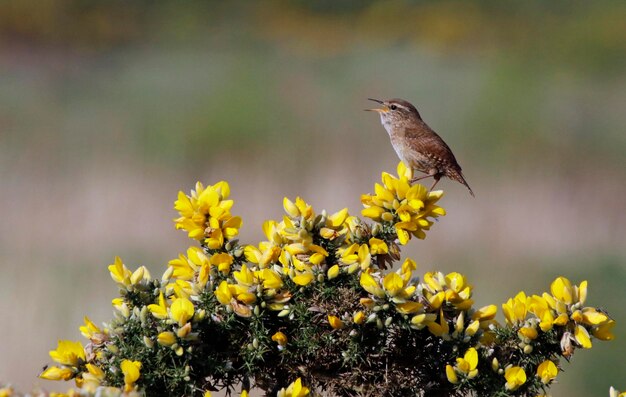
[{"x": 417, "y": 145}]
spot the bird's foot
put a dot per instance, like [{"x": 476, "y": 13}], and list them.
[{"x": 419, "y": 178}]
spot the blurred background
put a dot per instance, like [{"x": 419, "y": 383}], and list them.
[{"x": 107, "y": 109}]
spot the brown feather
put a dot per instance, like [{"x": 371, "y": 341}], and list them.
[{"x": 417, "y": 144}]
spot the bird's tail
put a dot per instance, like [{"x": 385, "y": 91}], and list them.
[{"x": 458, "y": 176}]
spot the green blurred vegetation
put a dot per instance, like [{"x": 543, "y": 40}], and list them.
[
  {"x": 108, "y": 107},
  {"x": 180, "y": 71}
]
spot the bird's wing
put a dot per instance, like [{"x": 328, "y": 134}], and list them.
[{"x": 426, "y": 141}]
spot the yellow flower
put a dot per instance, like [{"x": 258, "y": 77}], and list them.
[
  {"x": 119, "y": 273},
  {"x": 131, "y": 372},
  {"x": 295, "y": 389},
  {"x": 223, "y": 294},
  {"x": 159, "y": 310},
  {"x": 485, "y": 313},
  {"x": 335, "y": 225},
  {"x": 335, "y": 322},
  {"x": 451, "y": 374},
  {"x": 591, "y": 316},
  {"x": 371, "y": 285},
  {"x": 393, "y": 284},
  {"x": 280, "y": 338},
  {"x": 68, "y": 353},
  {"x": 540, "y": 307},
  {"x": 222, "y": 262},
  {"x": 6, "y": 391},
  {"x": 407, "y": 207},
  {"x": 56, "y": 373},
  {"x": 468, "y": 363},
  {"x": 121, "y": 307},
  {"x": 186, "y": 267},
  {"x": 547, "y": 371},
  {"x": 358, "y": 317},
  {"x": 603, "y": 331},
  {"x": 355, "y": 256},
  {"x": 582, "y": 337},
  {"x": 92, "y": 378},
  {"x": 440, "y": 328},
  {"x": 219, "y": 230},
  {"x": 303, "y": 279},
  {"x": 459, "y": 291},
  {"x": 141, "y": 273},
  {"x": 245, "y": 276},
  {"x": 337, "y": 219},
  {"x": 205, "y": 214},
  {"x": 472, "y": 328},
  {"x": 298, "y": 209},
  {"x": 92, "y": 332},
  {"x": 332, "y": 272},
  {"x": 515, "y": 309},
  {"x": 270, "y": 279},
  {"x": 237, "y": 297},
  {"x": 267, "y": 253},
  {"x": 409, "y": 307},
  {"x": 515, "y": 377},
  {"x": 563, "y": 290},
  {"x": 166, "y": 338},
  {"x": 423, "y": 320},
  {"x": 528, "y": 332},
  {"x": 181, "y": 311},
  {"x": 452, "y": 288},
  {"x": 377, "y": 246}
]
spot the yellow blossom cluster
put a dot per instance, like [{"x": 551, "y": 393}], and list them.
[
  {"x": 442, "y": 304},
  {"x": 317, "y": 288},
  {"x": 205, "y": 214},
  {"x": 527, "y": 317},
  {"x": 449, "y": 299},
  {"x": 564, "y": 307},
  {"x": 409, "y": 209}
]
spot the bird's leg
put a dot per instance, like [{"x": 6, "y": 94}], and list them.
[
  {"x": 431, "y": 173},
  {"x": 437, "y": 178},
  {"x": 420, "y": 178}
]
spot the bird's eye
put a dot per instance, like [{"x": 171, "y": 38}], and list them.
[{"x": 393, "y": 107}]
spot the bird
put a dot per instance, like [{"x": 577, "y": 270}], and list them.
[{"x": 417, "y": 145}]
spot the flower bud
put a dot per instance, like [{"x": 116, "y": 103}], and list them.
[
  {"x": 148, "y": 342},
  {"x": 495, "y": 365}
]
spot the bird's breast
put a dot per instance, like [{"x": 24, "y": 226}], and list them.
[{"x": 411, "y": 157}]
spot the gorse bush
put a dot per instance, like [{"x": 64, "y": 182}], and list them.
[{"x": 318, "y": 309}]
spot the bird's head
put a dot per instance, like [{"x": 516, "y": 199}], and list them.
[{"x": 395, "y": 112}]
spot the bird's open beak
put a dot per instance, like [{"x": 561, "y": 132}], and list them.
[{"x": 384, "y": 109}]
